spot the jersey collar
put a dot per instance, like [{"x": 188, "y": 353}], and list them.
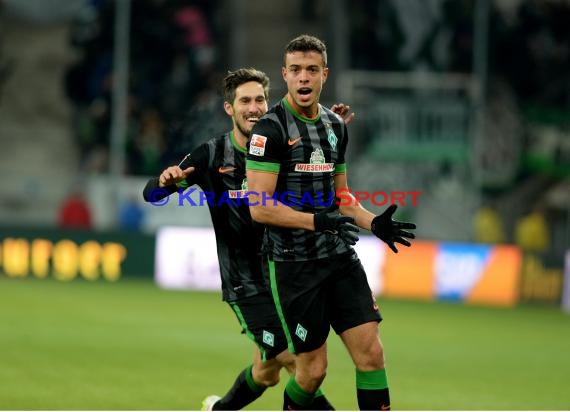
[
  {"x": 298, "y": 116},
  {"x": 235, "y": 143}
]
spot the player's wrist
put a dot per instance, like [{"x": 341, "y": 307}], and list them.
[
  {"x": 376, "y": 226},
  {"x": 318, "y": 222}
]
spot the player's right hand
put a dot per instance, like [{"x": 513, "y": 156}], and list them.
[
  {"x": 174, "y": 175},
  {"x": 335, "y": 223}
]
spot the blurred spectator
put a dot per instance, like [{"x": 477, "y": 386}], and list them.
[
  {"x": 131, "y": 215},
  {"x": 488, "y": 225},
  {"x": 532, "y": 234},
  {"x": 196, "y": 35},
  {"x": 149, "y": 145},
  {"x": 75, "y": 212}
]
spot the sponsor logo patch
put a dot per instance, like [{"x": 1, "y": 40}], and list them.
[
  {"x": 239, "y": 194},
  {"x": 314, "y": 168},
  {"x": 317, "y": 164},
  {"x": 257, "y": 145}
]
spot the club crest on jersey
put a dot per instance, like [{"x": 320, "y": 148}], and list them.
[
  {"x": 257, "y": 145},
  {"x": 331, "y": 136},
  {"x": 238, "y": 194},
  {"x": 317, "y": 163}
]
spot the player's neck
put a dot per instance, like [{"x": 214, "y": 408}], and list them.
[
  {"x": 240, "y": 139},
  {"x": 311, "y": 112}
]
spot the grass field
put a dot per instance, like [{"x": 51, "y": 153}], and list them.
[{"x": 130, "y": 345}]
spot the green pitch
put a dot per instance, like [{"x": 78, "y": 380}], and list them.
[{"x": 130, "y": 345}]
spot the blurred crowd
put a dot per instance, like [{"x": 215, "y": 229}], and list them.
[
  {"x": 174, "y": 56},
  {"x": 177, "y": 49},
  {"x": 529, "y": 42}
]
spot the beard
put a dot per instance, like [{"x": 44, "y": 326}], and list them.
[{"x": 246, "y": 133}]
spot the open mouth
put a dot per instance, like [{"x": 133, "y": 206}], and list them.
[
  {"x": 253, "y": 119},
  {"x": 304, "y": 91}
]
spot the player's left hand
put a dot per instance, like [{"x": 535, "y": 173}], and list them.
[
  {"x": 343, "y": 110},
  {"x": 390, "y": 231}
]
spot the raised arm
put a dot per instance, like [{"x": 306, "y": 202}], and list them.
[
  {"x": 182, "y": 175},
  {"x": 168, "y": 180}
]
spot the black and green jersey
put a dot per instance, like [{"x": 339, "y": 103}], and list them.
[
  {"x": 220, "y": 173},
  {"x": 306, "y": 154}
]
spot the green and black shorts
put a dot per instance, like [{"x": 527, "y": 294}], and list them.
[
  {"x": 259, "y": 321},
  {"x": 311, "y": 296}
]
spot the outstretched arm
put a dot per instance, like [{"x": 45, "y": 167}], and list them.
[{"x": 383, "y": 226}]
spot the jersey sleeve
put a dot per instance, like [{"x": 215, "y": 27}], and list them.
[
  {"x": 340, "y": 166},
  {"x": 199, "y": 159},
  {"x": 151, "y": 194},
  {"x": 265, "y": 148}
]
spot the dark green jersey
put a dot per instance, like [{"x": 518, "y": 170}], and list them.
[
  {"x": 220, "y": 173},
  {"x": 306, "y": 154}
]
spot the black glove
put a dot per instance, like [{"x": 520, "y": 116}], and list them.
[
  {"x": 337, "y": 224},
  {"x": 389, "y": 230}
]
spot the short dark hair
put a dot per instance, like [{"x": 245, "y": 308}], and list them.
[
  {"x": 306, "y": 43},
  {"x": 238, "y": 77}
]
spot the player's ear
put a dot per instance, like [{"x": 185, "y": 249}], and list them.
[
  {"x": 325, "y": 74},
  {"x": 284, "y": 73},
  {"x": 229, "y": 109}
]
